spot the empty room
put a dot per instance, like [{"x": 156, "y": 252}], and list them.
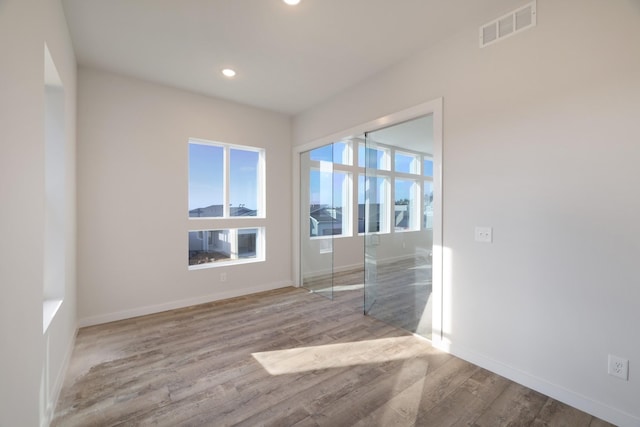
[{"x": 319, "y": 212}]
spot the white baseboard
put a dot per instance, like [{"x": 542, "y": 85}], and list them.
[
  {"x": 59, "y": 381},
  {"x": 577, "y": 400},
  {"x": 172, "y": 305}
]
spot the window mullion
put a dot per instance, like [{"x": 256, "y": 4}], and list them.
[
  {"x": 262, "y": 179},
  {"x": 227, "y": 174}
]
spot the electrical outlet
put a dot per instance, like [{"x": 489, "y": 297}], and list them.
[
  {"x": 618, "y": 367},
  {"x": 223, "y": 277},
  {"x": 484, "y": 234}
]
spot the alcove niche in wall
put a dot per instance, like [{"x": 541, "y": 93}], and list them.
[{"x": 55, "y": 226}]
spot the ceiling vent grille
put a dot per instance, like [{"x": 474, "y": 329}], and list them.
[{"x": 508, "y": 25}]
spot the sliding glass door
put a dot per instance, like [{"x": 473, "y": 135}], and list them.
[
  {"x": 318, "y": 221},
  {"x": 369, "y": 206},
  {"x": 398, "y": 198}
]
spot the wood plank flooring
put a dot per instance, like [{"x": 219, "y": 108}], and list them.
[
  {"x": 285, "y": 358},
  {"x": 402, "y": 292}
]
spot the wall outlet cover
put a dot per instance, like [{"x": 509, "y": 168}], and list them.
[
  {"x": 484, "y": 234},
  {"x": 618, "y": 367}
]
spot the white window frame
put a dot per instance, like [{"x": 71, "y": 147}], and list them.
[
  {"x": 386, "y": 161},
  {"x": 234, "y": 251},
  {"x": 416, "y": 163},
  {"x": 413, "y": 208},
  {"x": 389, "y": 172},
  {"x": 261, "y": 184},
  {"x": 228, "y": 222},
  {"x": 347, "y": 190}
]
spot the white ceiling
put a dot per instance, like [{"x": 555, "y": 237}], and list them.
[{"x": 288, "y": 58}]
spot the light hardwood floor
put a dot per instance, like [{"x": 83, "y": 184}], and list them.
[{"x": 285, "y": 358}]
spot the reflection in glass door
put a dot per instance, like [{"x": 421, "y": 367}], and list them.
[
  {"x": 399, "y": 219},
  {"x": 376, "y": 202},
  {"x": 317, "y": 222}
]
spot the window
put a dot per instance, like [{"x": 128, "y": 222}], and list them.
[
  {"x": 427, "y": 222},
  {"x": 338, "y": 152},
  {"x": 406, "y": 163},
  {"x": 373, "y": 158},
  {"x": 427, "y": 193},
  {"x": 372, "y": 216},
  {"x": 406, "y": 205},
  {"x": 394, "y": 195},
  {"x": 330, "y": 190},
  {"x": 427, "y": 168},
  {"x": 224, "y": 246},
  {"x": 206, "y": 180},
  {"x": 329, "y": 207},
  {"x": 244, "y": 182},
  {"x": 226, "y": 183}
]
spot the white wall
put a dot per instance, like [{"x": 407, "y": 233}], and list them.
[
  {"x": 132, "y": 196},
  {"x": 32, "y": 363},
  {"x": 541, "y": 143}
]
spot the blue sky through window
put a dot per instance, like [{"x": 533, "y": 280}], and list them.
[
  {"x": 335, "y": 153},
  {"x": 243, "y": 185},
  {"x": 206, "y": 177},
  {"x": 370, "y": 157},
  {"x": 404, "y": 189},
  {"x": 427, "y": 169},
  {"x": 327, "y": 188},
  {"x": 376, "y": 189},
  {"x": 406, "y": 163}
]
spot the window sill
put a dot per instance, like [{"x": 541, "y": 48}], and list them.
[
  {"x": 330, "y": 236},
  {"x": 224, "y": 263},
  {"x": 49, "y": 309},
  {"x": 224, "y": 218}
]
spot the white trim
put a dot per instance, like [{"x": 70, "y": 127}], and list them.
[
  {"x": 296, "y": 242},
  {"x": 226, "y": 185},
  {"x": 437, "y": 226},
  {"x": 59, "y": 382},
  {"x": 260, "y": 253},
  {"x": 577, "y": 400},
  {"x": 236, "y": 261},
  {"x": 373, "y": 125},
  {"x": 226, "y": 178},
  {"x": 151, "y": 309}
]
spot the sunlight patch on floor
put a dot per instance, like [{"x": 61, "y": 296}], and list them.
[{"x": 302, "y": 359}]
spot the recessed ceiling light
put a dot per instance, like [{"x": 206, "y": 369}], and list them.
[
  {"x": 291, "y": 2},
  {"x": 228, "y": 72}
]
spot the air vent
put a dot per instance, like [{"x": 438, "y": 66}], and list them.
[{"x": 508, "y": 25}]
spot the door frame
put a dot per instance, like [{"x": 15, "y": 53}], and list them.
[{"x": 434, "y": 107}]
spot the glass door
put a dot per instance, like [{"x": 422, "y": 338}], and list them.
[
  {"x": 398, "y": 185},
  {"x": 376, "y": 199},
  {"x": 317, "y": 222}
]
